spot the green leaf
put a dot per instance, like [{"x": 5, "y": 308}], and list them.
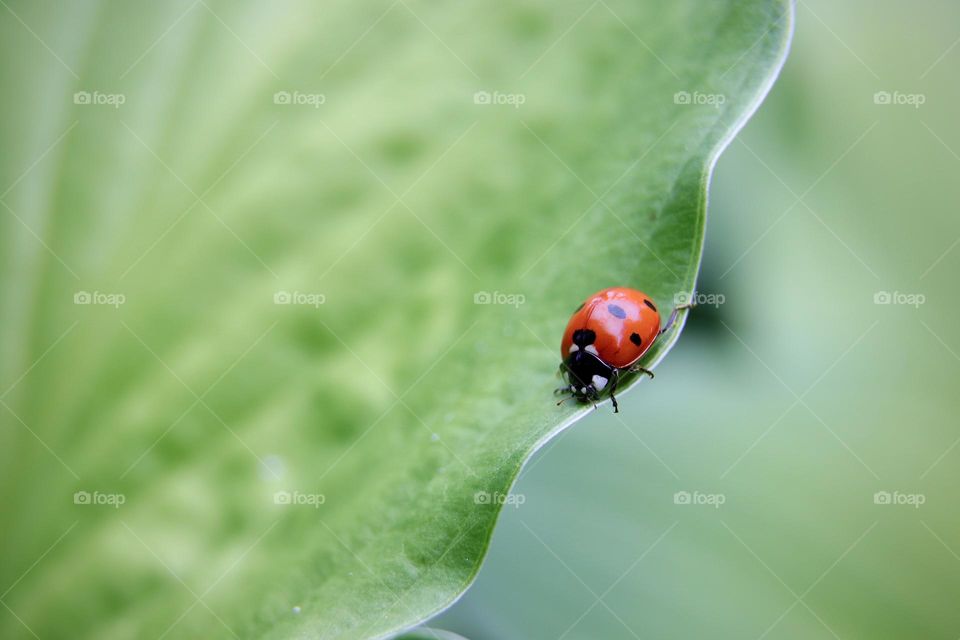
[
  {"x": 425, "y": 633},
  {"x": 250, "y": 384}
]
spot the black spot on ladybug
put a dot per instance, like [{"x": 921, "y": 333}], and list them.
[
  {"x": 583, "y": 337},
  {"x": 635, "y": 338},
  {"x": 649, "y": 304},
  {"x": 582, "y": 305},
  {"x": 617, "y": 311}
]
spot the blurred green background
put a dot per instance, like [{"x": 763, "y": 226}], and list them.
[{"x": 797, "y": 399}]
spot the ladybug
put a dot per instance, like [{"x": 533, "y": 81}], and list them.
[{"x": 605, "y": 338}]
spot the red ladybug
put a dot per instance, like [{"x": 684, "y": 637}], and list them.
[{"x": 605, "y": 338}]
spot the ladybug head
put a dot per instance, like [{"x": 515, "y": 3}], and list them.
[{"x": 585, "y": 373}]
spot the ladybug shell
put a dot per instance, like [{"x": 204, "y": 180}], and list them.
[{"x": 625, "y": 321}]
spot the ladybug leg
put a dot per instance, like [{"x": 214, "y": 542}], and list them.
[
  {"x": 613, "y": 389},
  {"x": 673, "y": 316},
  {"x": 638, "y": 369}
]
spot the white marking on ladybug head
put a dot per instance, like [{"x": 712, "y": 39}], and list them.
[
  {"x": 591, "y": 349},
  {"x": 599, "y": 382},
  {"x": 573, "y": 348}
]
